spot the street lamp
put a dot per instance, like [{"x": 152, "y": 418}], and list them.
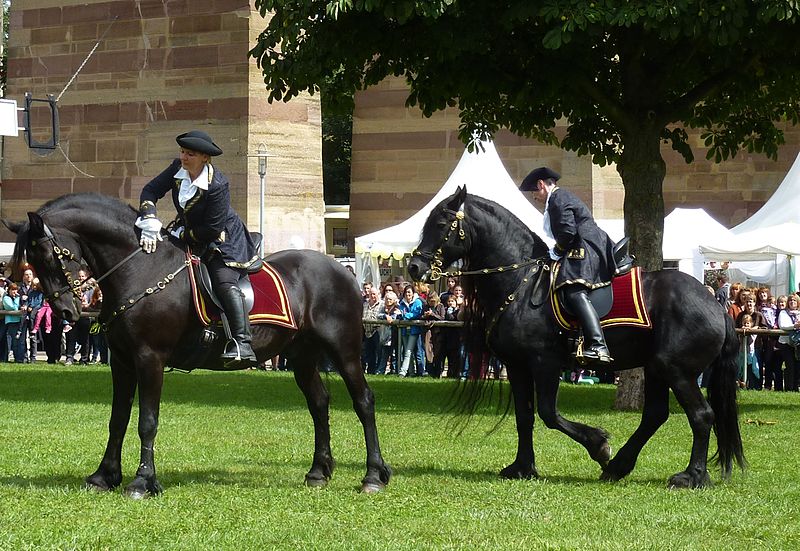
[{"x": 262, "y": 174}]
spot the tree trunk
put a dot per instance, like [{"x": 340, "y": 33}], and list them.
[{"x": 642, "y": 169}]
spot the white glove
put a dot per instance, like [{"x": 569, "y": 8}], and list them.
[
  {"x": 151, "y": 233},
  {"x": 177, "y": 232},
  {"x": 553, "y": 255}
]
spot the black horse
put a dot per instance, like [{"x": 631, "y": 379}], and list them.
[
  {"x": 510, "y": 315},
  {"x": 145, "y": 331}
]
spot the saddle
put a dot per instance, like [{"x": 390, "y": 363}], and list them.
[
  {"x": 602, "y": 298},
  {"x": 244, "y": 282},
  {"x": 265, "y": 297}
]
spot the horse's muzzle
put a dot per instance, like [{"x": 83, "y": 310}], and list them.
[{"x": 417, "y": 269}]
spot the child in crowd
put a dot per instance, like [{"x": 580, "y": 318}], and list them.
[
  {"x": 753, "y": 371},
  {"x": 388, "y": 334}
]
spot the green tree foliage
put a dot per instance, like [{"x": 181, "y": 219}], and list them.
[{"x": 626, "y": 74}]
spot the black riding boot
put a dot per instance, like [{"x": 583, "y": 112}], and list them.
[
  {"x": 594, "y": 342},
  {"x": 238, "y": 352}
]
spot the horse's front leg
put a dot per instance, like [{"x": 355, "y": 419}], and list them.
[
  {"x": 594, "y": 439},
  {"x": 524, "y": 465},
  {"x": 150, "y": 380},
  {"x": 109, "y": 474},
  {"x": 654, "y": 414}
]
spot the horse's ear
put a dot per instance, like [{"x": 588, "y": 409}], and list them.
[
  {"x": 458, "y": 197},
  {"x": 13, "y": 226},
  {"x": 36, "y": 225}
]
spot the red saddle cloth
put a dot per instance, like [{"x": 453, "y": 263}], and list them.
[
  {"x": 270, "y": 305},
  {"x": 628, "y": 309}
]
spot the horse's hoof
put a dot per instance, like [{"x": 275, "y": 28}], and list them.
[
  {"x": 136, "y": 495},
  {"x": 514, "y": 472},
  {"x": 686, "y": 480},
  {"x": 372, "y": 487},
  {"x": 143, "y": 489},
  {"x": 98, "y": 483},
  {"x": 92, "y": 487},
  {"x": 604, "y": 455},
  {"x": 608, "y": 476},
  {"x": 316, "y": 482}
]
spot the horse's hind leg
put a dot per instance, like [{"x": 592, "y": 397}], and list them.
[
  {"x": 594, "y": 439},
  {"x": 654, "y": 414},
  {"x": 307, "y": 377},
  {"x": 349, "y": 366},
  {"x": 109, "y": 474},
  {"x": 701, "y": 419}
]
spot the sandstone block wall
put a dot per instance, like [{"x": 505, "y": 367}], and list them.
[
  {"x": 162, "y": 69},
  {"x": 401, "y": 159}
]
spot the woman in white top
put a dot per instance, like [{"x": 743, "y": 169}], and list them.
[{"x": 789, "y": 320}]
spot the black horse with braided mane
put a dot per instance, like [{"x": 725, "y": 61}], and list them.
[
  {"x": 146, "y": 332},
  {"x": 510, "y": 315}
]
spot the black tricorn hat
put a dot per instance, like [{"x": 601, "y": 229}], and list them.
[
  {"x": 197, "y": 140},
  {"x": 541, "y": 173}
]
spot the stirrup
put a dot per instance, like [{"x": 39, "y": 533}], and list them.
[{"x": 229, "y": 359}]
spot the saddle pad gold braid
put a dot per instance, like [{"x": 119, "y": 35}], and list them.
[
  {"x": 271, "y": 303},
  {"x": 628, "y": 309}
]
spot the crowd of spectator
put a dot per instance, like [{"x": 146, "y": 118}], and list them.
[
  {"x": 418, "y": 350},
  {"x": 773, "y": 362},
  {"x": 30, "y": 326}
]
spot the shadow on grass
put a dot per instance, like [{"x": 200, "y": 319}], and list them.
[{"x": 275, "y": 391}]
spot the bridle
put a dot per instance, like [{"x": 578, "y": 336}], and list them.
[
  {"x": 62, "y": 254},
  {"x": 74, "y": 285},
  {"x": 540, "y": 264},
  {"x": 436, "y": 259}
]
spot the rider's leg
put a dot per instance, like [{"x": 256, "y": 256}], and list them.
[
  {"x": 595, "y": 343},
  {"x": 224, "y": 278}
]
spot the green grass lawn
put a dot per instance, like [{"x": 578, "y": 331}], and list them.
[{"x": 233, "y": 448}]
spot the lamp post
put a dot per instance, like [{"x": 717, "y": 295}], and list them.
[{"x": 262, "y": 174}]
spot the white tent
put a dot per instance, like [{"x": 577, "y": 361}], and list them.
[
  {"x": 782, "y": 207},
  {"x": 764, "y": 245},
  {"x": 483, "y": 173},
  {"x": 684, "y": 230}
]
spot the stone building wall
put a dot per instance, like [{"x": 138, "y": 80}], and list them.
[
  {"x": 401, "y": 159},
  {"x": 162, "y": 69}
]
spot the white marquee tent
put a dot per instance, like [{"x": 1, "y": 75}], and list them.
[
  {"x": 484, "y": 174},
  {"x": 765, "y": 246}
]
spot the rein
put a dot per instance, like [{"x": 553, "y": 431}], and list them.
[
  {"x": 74, "y": 285},
  {"x": 540, "y": 264}
]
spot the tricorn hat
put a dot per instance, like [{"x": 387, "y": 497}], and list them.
[
  {"x": 541, "y": 173},
  {"x": 197, "y": 140}
]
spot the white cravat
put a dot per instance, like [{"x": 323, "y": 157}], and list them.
[
  {"x": 546, "y": 222},
  {"x": 189, "y": 187}
]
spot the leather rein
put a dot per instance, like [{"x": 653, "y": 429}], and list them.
[
  {"x": 74, "y": 285},
  {"x": 436, "y": 260}
]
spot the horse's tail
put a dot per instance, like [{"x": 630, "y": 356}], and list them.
[{"x": 722, "y": 388}]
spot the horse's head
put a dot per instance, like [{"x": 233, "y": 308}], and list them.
[
  {"x": 53, "y": 258},
  {"x": 442, "y": 241}
]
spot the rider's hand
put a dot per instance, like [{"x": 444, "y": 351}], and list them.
[
  {"x": 149, "y": 240},
  {"x": 151, "y": 233}
]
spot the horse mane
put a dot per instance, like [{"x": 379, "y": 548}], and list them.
[
  {"x": 479, "y": 389},
  {"x": 88, "y": 200},
  {"x": 115, "y": 212}
]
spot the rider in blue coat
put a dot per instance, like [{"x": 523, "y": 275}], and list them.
[{"x": 207, "y": 222}]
